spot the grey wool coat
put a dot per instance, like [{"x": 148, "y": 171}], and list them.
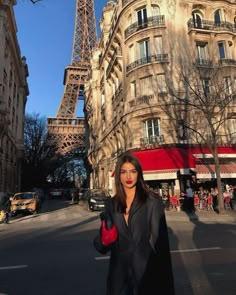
[{"x": 140, "y": 258}]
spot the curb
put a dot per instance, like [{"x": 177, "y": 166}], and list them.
[{"x": 201, "y": 216}]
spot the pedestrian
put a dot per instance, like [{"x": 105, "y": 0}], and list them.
[
  {"x": 190, "y": 199},
  {"x": 137, "y": 236},
  {"x": 7, "y": 211}
]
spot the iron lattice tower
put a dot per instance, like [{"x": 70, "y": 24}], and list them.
[{"x": 67, "y": 130}]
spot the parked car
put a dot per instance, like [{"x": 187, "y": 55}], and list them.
[
  {"x": 26, "y": 202},
  {"x": 96, "y": 199},
  {"x": 56, "y": 193}
]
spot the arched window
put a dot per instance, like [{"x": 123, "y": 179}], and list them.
[
  {"x": 197, "y": 19},
  {"x": 218, "y": 17}
]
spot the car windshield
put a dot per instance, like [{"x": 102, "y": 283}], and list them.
[
  {"x": 99, "y": 194},
  {"x": 23, "y": 196}
]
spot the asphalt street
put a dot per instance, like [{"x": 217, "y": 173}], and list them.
[{"x": 52, "y": 253}]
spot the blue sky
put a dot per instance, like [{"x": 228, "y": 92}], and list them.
[{"x": 45, "y": 36}]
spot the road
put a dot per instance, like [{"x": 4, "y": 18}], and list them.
[{"x": 52, "y": 254}]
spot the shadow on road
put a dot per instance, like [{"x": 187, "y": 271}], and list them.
[{"x": 209, "y": 263}]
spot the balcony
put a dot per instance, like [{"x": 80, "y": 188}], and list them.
[
  {"x": 227, "y": 62},
  {"x": 208, "y": 25},
  {"x": 161, "y": 58},
  {"x": 200, "y": 62},
  {"x": 117, "y": 53},
  {"x": 144, "y": 99},
  {"x": 153, "y": 21},
  {"x": 151, "y": 141}
]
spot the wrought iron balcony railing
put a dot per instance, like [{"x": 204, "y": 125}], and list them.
[
  {"x": 115, "y": 54},
  {"x": 153, "y": 21},
  {"x": 144, "y": 99},
  {"x": 203, "y": 62},
  {"x": 211, "y": 25},
  {"x": 162, "y": 58},
  {"x": 227, "y": 62},
  {"x": 151, "y": 140}
]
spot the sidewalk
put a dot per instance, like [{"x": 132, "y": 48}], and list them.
[{"x": 202, "y": 216}]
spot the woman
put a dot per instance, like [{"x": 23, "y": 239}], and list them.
[{"x": 140, "y": 260}]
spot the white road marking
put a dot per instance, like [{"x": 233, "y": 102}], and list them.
[
  {"x": 195, "y": 250},
  {"x": 173, "y": 251},
  {"x": 12, "y": 267},
  {"x": 102, "y": 258}
]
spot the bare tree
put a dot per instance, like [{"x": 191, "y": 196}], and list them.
[
  {"x": 39, "y": 152},
  {"x": 200, "y": 108}
]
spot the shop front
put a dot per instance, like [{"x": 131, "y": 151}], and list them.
[
  {"x": 167, "y": 168},
  {"x": 174, "y": 169}
]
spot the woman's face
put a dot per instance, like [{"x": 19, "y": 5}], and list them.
[{"x": 128, "y": 175}]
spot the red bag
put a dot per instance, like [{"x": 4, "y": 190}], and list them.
[{"x": 108, "y": 236}]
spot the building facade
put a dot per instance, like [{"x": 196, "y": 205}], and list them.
[
  {"x": 162, "y": 85},
  {"x": 13, "y": 97}
]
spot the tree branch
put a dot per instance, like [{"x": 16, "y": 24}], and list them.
[{"x": 35, "y": 1}]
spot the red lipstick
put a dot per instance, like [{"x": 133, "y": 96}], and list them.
[{"x": 129, "y": 181}]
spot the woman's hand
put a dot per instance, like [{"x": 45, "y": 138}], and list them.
[{"x": 109, "y": 232}]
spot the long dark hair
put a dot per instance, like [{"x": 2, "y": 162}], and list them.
[{"x": 141, "y": 188}]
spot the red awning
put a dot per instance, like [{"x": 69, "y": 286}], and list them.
[
  {"x": 221, "y": 150},
  {"x": 208, "y": 170},
  {"x": 169, "y": 158}
]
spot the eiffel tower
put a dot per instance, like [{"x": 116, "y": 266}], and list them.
[{"x": 67, "y": 130}]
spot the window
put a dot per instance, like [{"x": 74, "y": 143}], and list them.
[
  {"x": 227, "y": 85},
  {"x": 231, "y": 127},
  {"x": 151, "y": 129},
  {"x": 206, "y": 87},
  {"x": 142, "y": 16},
  {"x": 103, "y": 100},
  {"x": 197, "y": 19},
  {"x": 181, "y": 130},
  {"x": 146, "y": 86},
  {"x": 202, "y": 53},
  {"x": 158, "y": 46},
  {"x": 131, "y": 53},
  {"x": 161, "y": 84},
  {"x": 231, "y": 50},
  {"x": 133, "y": 91},
  {"x": 218, "y": 17},
  {"x": 221, "y": 48},
  {"x": 155, "y": 10},
  {"x": 144, "y": 49}
]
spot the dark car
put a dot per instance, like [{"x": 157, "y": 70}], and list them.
[
  {"x": 97, "y": 198},
  {"x": 56, "y": 193}
]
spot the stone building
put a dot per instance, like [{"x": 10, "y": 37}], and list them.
[
  {"x": 13, "y": 97},
  {"x": 162, "y": 77}
]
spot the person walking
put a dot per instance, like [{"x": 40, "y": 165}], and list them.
[
  {"x": 134, "y": 230},
  {"x": 190, "y": 199},
  {"x": 7, "y": 211}
]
